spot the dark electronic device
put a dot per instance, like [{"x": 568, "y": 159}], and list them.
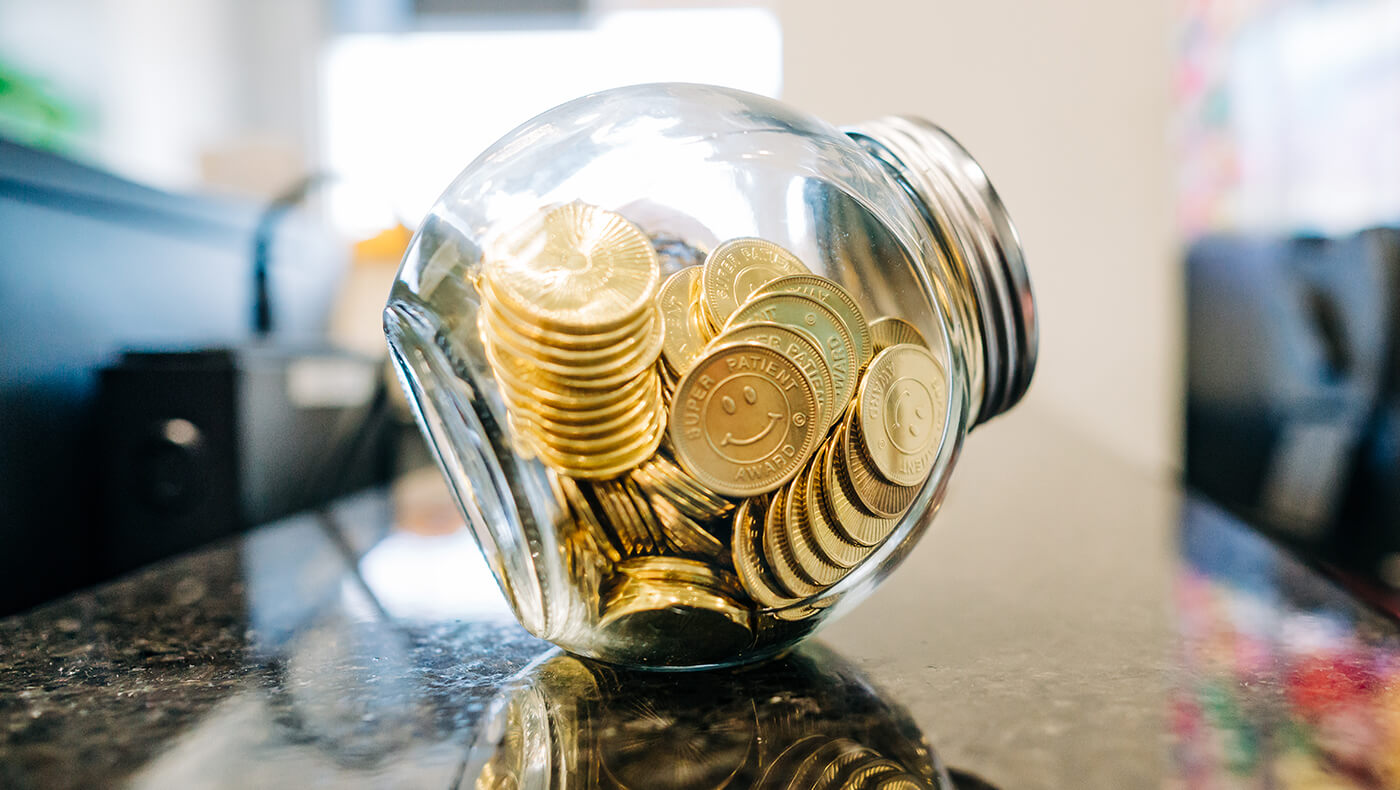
[
  {"x": 93, "y": 265},
  {"x": 1293, "y": 391},
  {"x": 196, "y": 446}
]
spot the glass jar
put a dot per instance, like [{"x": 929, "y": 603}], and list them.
[{"x": 697, "y": 366}]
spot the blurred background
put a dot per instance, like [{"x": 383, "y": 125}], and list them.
[
  {"x": 203, "y": 202},
  {"x": 244, "y": 169}
]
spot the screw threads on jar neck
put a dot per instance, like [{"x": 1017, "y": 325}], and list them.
[{"x": 980, "y": 248}]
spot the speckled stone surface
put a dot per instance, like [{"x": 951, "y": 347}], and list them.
[{"x": 1038, "y": 637}]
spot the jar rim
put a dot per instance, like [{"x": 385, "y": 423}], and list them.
[{"x": 958, "y": 201}]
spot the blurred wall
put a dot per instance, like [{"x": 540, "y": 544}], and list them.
[
  {"x": 167, "y": 84},
  {"x": 1066, "y": 106}
]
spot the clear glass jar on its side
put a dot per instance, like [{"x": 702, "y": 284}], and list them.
[{"x": 697, "y": 366}]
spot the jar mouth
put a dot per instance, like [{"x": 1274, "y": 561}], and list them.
[{"x": 964, "y": 211}]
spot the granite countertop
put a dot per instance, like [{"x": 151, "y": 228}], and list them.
[{"x": 1068, "y": 622}]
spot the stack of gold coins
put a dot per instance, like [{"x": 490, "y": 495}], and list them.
[{"x": 571, "y": 327}]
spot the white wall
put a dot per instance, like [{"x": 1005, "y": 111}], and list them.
[
  {"x": 1065, "y": 104},
  {"x": 165, "y": 81}
]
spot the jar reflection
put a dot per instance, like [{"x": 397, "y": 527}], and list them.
[{"x": 805, "y": 722}]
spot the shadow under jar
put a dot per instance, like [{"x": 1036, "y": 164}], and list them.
[{"x": 697, "y": 366}]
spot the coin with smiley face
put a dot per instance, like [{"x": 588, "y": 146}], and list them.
[
  {"x": 742, "y": 421},
  {"x": 902, "y": 405}
]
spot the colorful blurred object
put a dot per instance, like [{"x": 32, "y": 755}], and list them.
[
  {"x": 34, "y": 116},
  {"x": 1288, "y": 682},
  {"x": 387, "y": 245}
]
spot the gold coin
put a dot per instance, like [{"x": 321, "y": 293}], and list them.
[
  {"x": 830, "y": 543},
  {"x": 632, "y": 353},
  {"x": 660, "y": 478},
  {"x": 579, "y": 436},
  {"x": 609, "y": 465},
  {"x": 741, "y": 423},
  {"x": 890, "y": 331},
  {"x": 748, "y": 556},
  {"x": 621, "y": 514},
  {"x": 851, "y": 756},
  {"x": 644, "y": 620},
  {"x": 575, "y": 267},
  {"x": 805, "y": 554},
  {"x": 593, "y": 428},
  {"x": 737, "y": 268},
  {"x": 682, "y": 344},
  {"x": 552, "y": 375},
  {"x": 585, "y": 559},
  {"x": 688, "y": 489},
  {"x": 683, "y": 534},
  {"x": 518, "y": 376},
  {"x": 810, "y": 770},
  {"x": 682, "y": 570},
  {"x": 583, "y": 513},
  {"x": 780, "y": 770},
  {"x": 531, "y": 409},
  {"x": 564, "y": 340},
  {"x": 849, "y": 518},
  {"x": 778, "y": 551},
  {"x": 656, "y": 532},
  {"x": 779, "y": 625},
  {"x": 668, "y": 381},
  {"x": 814, "y": 319},
  {"x": 837, "y": 299},
  {"x": 901, "y": 412},
  {"x": 641, "y": 427},
  {"x": 864, "y": 775},
  {"x": 879, "y": 497},
  {"x": 797, "y": 347},
  {"x": 697, "y": 317}
]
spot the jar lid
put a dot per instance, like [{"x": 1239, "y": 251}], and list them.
[{"x": 963, "y": 209}]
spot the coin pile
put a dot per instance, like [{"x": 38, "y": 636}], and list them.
[
  {"x": 791, "y": 408},
  {"x": 736, "y": 435},
  {"x": 571, "y": 327},
  {"x": 820, "y": 762}
]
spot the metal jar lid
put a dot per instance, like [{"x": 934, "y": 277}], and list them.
[{"x": 963, "y": 210}]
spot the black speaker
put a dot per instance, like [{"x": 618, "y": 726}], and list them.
[{"x": 196, "y": 446}]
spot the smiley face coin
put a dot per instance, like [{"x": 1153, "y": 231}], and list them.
[
  {"x": 739, "y": 267},
  {"x": 902, "y": 404},
  {"x": 799, "y": 348},
  {"x": 744, "y": 419}
]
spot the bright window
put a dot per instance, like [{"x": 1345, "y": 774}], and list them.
[{"x": 404, "y": 113}]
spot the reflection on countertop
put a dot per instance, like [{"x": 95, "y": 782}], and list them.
[
  {"x": 1029, "y": 641},
  {"x": 809, "y": 720}
]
